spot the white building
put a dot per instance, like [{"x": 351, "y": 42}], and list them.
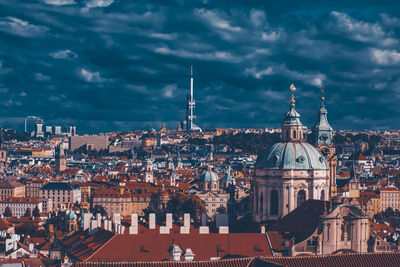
[{"x": 19, "y": 205}]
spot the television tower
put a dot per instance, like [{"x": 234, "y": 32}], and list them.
[{"x": 190, "y": 104}]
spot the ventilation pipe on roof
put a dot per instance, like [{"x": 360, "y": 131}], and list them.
[
  {"x": 175, "y": 252},
  {"x": 188, "y": 255}
]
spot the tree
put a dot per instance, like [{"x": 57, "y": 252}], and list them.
[
  {"x": 221, "y": 210},
  {"x": 27, "y": 229},
  {"x": 7, "y": 212},
  {"x": 99, "y": 209},
  {"x": 183, "y": 203},
  {"x": 36, "y": 212},
  {"x": 28, "y": 213}
]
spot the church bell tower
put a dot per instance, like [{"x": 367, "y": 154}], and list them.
[{"x": 322, "y": 138}]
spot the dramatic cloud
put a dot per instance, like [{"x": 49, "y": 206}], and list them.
[
  {"x": 91, "y": 77},
  {"x": 59, "y": 2},
  {"x": 64, "y": 54},
  {"x": 121, "y": 65},
  {"x": 385, "y": 57},
  {"x": 20, "y": 27}
]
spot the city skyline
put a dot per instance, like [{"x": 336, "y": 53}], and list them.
[{"x": 113, "y": 66}]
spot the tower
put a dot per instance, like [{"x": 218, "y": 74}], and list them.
[
  {"x": 190, "y": 126},
  {"x": 61, "y": 159},
  {"x": 172, "y": 178},
  {"x": 149, "y": 171},
  {"x": 354, "y": 184},
  {"x": 322, "y": 137}
]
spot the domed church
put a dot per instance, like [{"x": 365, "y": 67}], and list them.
[{"x": 292, "y": 171}]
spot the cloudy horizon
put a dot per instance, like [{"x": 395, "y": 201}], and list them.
[{"x": 109, "y": 65}]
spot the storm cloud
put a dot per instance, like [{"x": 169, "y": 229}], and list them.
[{"x": 109, "y": 65}]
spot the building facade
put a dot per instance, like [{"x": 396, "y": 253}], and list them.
[
  {"x": 63, "y": 195},
  {"x": 215, "y": 199},
  {"x": 289, "y": 173},
  {"x": 389, "y": 198},
  {"x": 19, "y": 205},
  {"x": 10, "y": 189}
]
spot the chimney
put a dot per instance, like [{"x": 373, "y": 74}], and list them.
[
  {"x": 98, "y": 217},
  {"x": 86, "y": 220},
  {"x": 133, "y": 230},
  {"x": 223, "y": 230},
  {"x": 186, "y": 220},
  {"x": 134, "y": 220},
  {"x": 203, "y": 219},
  {"x": 116, "y": 218},
  {"x": 188, "y": 255},
  {"x": 204, "y": 230},
  {"x": 152, "y": 221},
  {"x": 164, "y": 230},
  {"x": 168, "y": 220},
  {"x": 31, "y": 247}
]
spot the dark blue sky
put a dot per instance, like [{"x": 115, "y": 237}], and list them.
[{"x": 109, "y": 65}]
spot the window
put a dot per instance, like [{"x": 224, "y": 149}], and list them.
[
  {"x": 301, "y": 197},
  {"x": 274, "y": 202},
  {"x": 323, "y": 195}
]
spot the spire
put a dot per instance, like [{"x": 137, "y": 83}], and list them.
[
  {"x": 353, "y": 174},
  {"x": 292, "y": 128},
  {"x": 322, "y": 131}
]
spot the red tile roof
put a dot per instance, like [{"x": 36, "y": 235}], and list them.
[
  {"x": 342, "y": 260},
  {"x": 154, "y": 246}
]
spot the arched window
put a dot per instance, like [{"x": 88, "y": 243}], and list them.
[
  {"x": 261, "y": 202},
  {"x": 274, "y": 202},
  {"x": 301, "y": 197},
  {"x": 323, "y": 194},
  {"x": 294, "y": 134}
]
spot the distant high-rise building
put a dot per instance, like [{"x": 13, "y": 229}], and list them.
[
  {"x": 71, "y": 130},
  {"x": 39, "y": 128},
  {"x": 57, "y": 129},
  {"x": 190, "y": 125},
  {"x": 49, "y": 129}
]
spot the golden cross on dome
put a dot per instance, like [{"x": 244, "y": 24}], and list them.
[
  {"x": 292, "y": 88},
  {"x": 322, "y": 94}
]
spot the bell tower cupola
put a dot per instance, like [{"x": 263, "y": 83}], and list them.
[
  {"x": 322, "y": 131},
  {"x": 292, "y": 128}
]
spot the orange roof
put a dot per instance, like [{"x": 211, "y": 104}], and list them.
[
  {"x": 21, "y": 200},
  {"x": 146, "y": 247}
]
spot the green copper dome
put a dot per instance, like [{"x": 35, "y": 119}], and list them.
[
  {"x": 209, "y": 176},
  {"x": 292, "y": 156}
]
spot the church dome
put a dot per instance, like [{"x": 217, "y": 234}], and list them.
[
  {"x": 292, "y": 156},
  {"x": 209, "y": 176}
]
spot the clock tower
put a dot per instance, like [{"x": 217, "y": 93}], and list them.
[{"x": 322, "y": 137}]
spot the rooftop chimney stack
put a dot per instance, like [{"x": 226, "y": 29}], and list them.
[
  {"x": 168, "y": 220},
  {"x": 152, "y": 221}
]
